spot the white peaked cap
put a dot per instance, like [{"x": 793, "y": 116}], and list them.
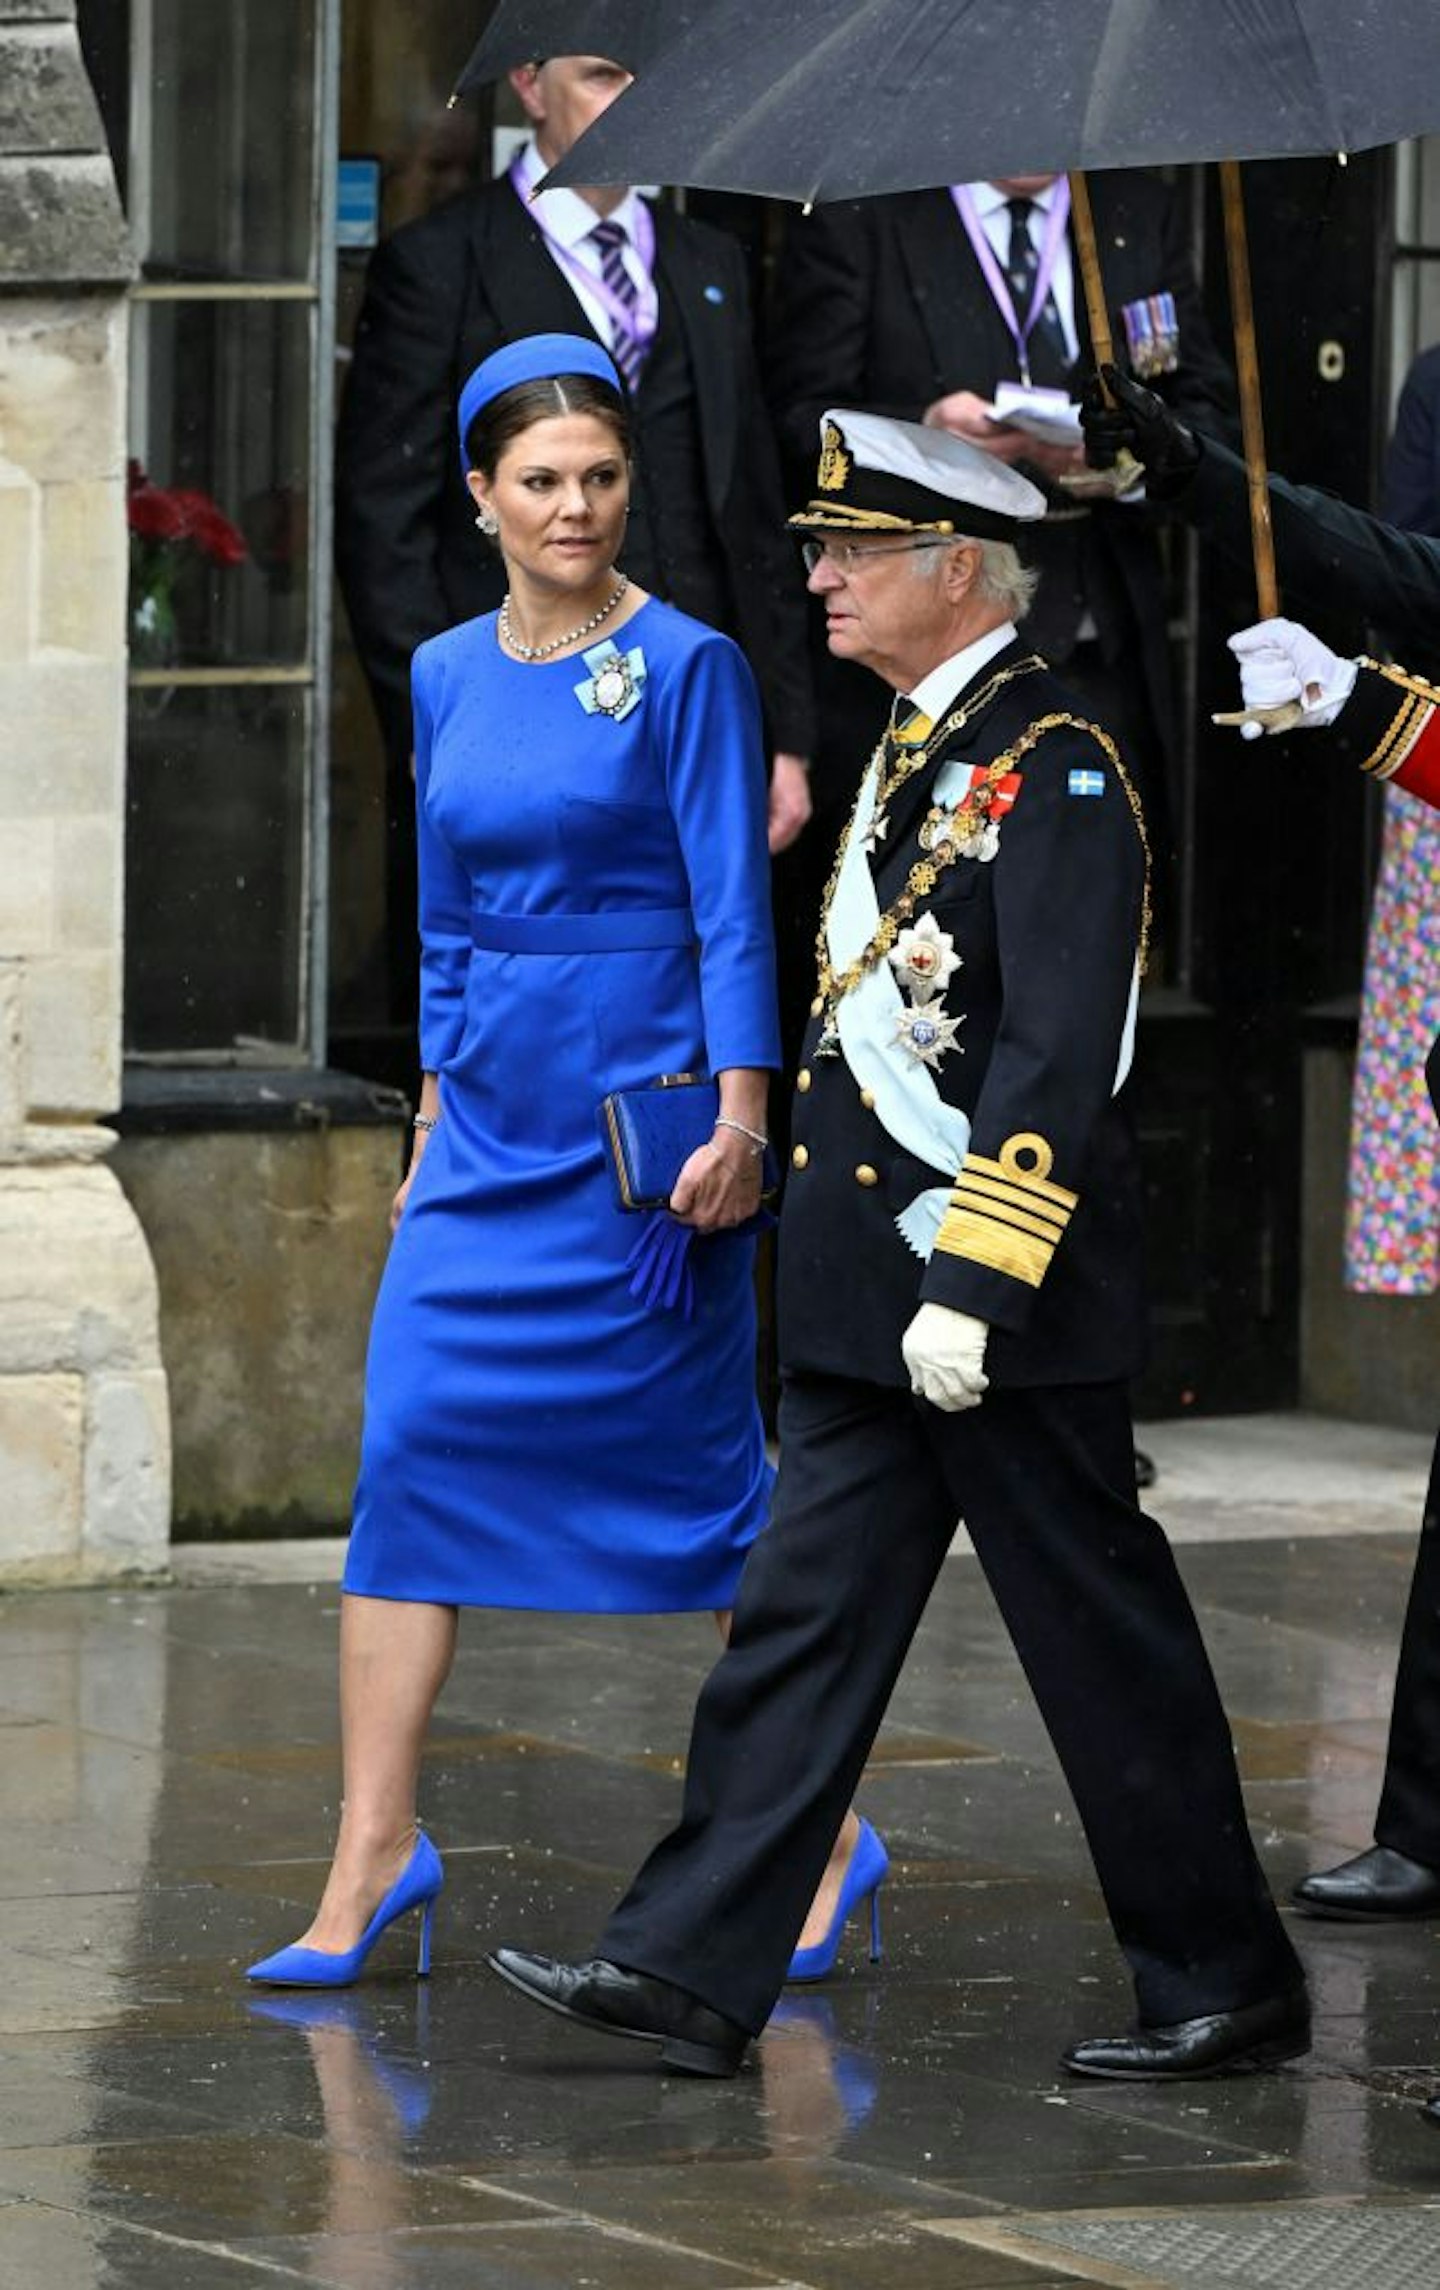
[{"x": 879, "y": 475}]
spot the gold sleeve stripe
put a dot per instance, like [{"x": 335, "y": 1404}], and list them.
[
  {"x": 997, "y": 1246},
  {"x": 989, "y": 1200},
  {"x": 1408, "y": 723},
  {"x": 964, "y": 1203},
  {"x": 1399, "y": 741},
  {"x": 1013, "y": 1181}
]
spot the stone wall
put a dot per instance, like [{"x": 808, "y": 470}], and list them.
[
  {"x": 266, "y": 1198},
  {"x": 84, "y": 1427}
]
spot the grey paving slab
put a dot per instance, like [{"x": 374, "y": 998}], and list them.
[
  {"x": 46, "y": 2249},
  {"x": 542, "y": 2254}
]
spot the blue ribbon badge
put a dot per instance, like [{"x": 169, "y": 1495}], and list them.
[{"x": 615, "y": 681}]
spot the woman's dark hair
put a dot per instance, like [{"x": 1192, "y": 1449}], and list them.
[{"x": 500, "y": 422}]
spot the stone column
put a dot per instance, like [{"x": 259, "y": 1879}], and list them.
[{"x": 84, "y": 1422}]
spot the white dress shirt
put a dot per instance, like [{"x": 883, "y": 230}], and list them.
[
  {"x": 566, "y": 221},
  {"x": 992, "y": 207}
]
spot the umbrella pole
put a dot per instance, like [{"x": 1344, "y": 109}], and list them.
[
  {"x": 1083, "y": 224},
  {"x": 1247, "y": 366}
]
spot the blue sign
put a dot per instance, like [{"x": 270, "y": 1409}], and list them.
[{"x": 357, "y": 207}]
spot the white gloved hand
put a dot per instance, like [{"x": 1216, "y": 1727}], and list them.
[
  {"x": 1287, "y": 678},
  {"x": 945, "y": 1353}
]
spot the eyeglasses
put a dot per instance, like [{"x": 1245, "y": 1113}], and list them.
[{"x": 847, "y": 555}]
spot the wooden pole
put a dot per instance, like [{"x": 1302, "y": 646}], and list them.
[
  {"x": 1247, "y": 366},
  {"x": 1083, "y": 224}
]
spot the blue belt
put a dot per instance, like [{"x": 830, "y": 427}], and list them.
[{"x": 625, "y": 930}]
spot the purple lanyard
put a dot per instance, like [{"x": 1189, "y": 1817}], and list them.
[
  {"x": 995, "y": 278},
  {"x": 636, "y": 321}
]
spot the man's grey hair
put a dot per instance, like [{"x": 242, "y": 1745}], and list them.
[{"x": 1002, "y": 579}]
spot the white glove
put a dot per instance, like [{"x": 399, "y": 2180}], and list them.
[
  {"x": 945, "y": 1353},
  {"x": 1287, "y": 677}
]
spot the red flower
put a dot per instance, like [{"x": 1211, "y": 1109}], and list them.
[
  {"x": 181, "y": 514},
  {"x": 152, "y": 514}
]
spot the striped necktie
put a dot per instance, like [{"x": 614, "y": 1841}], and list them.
[
  {"x": 625, "y": 346},
  {"x": 1021, "y": 265}
]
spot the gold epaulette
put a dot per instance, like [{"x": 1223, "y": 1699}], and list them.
[
  {"x": 1409, "y": 722},
  {"x": 1006, "y": 1214}
]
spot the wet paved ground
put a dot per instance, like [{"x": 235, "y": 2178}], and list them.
[{"x": 167, "y": 1788}]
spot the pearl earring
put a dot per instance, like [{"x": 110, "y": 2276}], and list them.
[{"x": 488, "y": 523}]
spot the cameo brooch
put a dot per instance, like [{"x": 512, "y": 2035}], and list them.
[{"x": 614, "y": 683}]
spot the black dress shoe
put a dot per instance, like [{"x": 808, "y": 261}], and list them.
[
  {"x": 1377, "y": 1887},
  {"x": 620, "y": 2003},
  {"x": 1431, "y": 2111},
  {"x": 1218, "y": 2043}
]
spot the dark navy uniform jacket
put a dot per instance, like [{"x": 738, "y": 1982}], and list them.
[{"x": 1042, "y": 1235}]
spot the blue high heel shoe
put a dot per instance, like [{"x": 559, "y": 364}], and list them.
[
  {"x": 869, "y": 1866},
  {"x": 417, "y": 1886}
]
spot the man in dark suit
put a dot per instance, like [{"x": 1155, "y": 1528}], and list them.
[
  {"x": 960, "y": 1309},
  {"x": 907, "y": 305},
  {"x": 1341, "y": 563},
  {"x": 668, "y": 296}
]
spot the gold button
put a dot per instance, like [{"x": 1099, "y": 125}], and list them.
[
  {"x": 800, "y": 1158},
  {"x": 802, "y": 1079},
  {"x": 867, "y": 1099},
  {"x": 817, "y": 1005},
  {"x": 865, "y": 1175}
]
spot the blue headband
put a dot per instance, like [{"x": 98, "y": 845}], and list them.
[{"x": 534, "y": 358}]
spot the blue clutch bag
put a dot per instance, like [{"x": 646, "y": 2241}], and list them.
[{"x": 651, "y": 1132}]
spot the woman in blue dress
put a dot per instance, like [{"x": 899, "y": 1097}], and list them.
[{"x": 594, "y": 913}]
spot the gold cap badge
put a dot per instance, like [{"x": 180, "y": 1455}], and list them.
[{"x": 834, "y": 467}]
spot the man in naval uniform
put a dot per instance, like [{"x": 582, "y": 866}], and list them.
[{"x": 960, "y": 1308}]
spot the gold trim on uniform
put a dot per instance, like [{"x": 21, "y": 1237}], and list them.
[
  {"x": 845, "y": 514},
  {"x": 945, "y": 849},
  {"x": 1007, "y": 1214},
  {"x": 926, "y": 872},
  {"x": 1403, "y": 677},
  {"x": 998, "y": 1246},
  {"x": 1410, "y": 721},
  {"x": 835, "y": 464}
]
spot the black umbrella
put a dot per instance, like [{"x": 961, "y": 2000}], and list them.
[
  {"x": 830, "y": 99},
  {"x": 630, "y": 32},
  {"x": 833, "y": 99}
]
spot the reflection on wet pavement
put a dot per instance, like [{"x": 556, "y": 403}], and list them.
[{"x": 167, "y": 1790}]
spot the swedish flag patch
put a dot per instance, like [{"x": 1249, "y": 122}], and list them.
[{"x": 1087, "y": 783}]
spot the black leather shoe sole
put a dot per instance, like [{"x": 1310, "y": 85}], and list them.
[
  {"x": 1222, "y": 2043},
  {"x": 1382, "y": 1912},
  {"x": 680, "y": 2052}
]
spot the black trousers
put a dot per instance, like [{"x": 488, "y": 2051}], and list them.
[
  {"x": 1409, "y": 1817},
  {"x": 871, "y": 1482}
]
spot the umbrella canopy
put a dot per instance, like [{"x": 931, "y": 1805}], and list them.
[
  {"x": 828, "y": 99},
  {"x": 630, "y": 32}
]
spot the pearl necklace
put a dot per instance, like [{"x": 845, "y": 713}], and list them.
[{"x": 543, "y": 651}]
